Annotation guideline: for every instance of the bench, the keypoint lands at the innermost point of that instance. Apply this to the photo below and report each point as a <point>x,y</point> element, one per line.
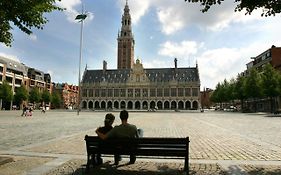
<point>145,146</point>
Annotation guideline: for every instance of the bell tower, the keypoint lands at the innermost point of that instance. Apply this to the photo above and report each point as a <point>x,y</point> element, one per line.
<point>126,42</point>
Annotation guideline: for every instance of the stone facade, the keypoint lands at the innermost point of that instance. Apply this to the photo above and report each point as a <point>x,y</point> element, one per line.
<point>133,87</point>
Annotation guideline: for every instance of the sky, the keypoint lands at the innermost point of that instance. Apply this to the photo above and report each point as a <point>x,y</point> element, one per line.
<point>220,41</point>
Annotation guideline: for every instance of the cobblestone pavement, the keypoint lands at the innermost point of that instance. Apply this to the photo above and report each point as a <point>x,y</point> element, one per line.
<point>220,142</point>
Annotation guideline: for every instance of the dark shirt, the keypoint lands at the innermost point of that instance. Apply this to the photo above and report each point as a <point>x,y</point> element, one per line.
<point>105,129</point>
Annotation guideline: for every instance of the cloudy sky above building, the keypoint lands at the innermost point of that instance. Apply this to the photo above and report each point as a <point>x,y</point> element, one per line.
<point>221,41</point>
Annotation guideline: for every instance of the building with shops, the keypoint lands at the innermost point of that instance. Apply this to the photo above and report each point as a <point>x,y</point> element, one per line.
<point>17,74</point>
<point>131,86</point>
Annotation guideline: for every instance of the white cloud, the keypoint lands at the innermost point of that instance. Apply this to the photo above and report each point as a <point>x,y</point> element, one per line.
<point>137,8</point>
<point>12,57</point>
<point>182,50</point>
<point>33,37</point>
<point>170,19</point>
<point>71,12</point>
<point>155,63</point>
<point>225,63</point>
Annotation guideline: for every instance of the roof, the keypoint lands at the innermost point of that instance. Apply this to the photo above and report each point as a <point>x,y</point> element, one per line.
<point>14,65</point>
<point>154,75</point>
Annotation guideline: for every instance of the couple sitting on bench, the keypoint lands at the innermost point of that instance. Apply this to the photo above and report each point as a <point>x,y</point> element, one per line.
<point>124,130</point>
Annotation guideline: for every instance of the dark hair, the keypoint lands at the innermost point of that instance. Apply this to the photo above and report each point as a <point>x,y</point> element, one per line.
<point>109,119</point>
<point>124,115</point>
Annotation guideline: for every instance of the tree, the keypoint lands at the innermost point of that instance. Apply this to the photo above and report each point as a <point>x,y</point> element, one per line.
<point>21,95</point>
<point>23,14</point>
<point>253,87</point>
<point>56,100</point>
<point>239,89</point>
<point>34,95</point>
<point>270,7</point>
<point>6,94</point>
<point>270,84</point>
<point>46,97</point>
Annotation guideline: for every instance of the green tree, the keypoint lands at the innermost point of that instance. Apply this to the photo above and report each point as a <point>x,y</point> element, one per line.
<point>270,85</point>
<point>45,97</point>
<point>34,96</point>
<point>56,100</point>
<point>21,95</point>
<point>269,7</point>
<point>6,94</point>
<point>253,88</point>
<point>23,14</point>
<point>239,89</point>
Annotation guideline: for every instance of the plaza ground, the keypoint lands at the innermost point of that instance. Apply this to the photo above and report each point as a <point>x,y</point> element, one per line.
<point>220,143</point>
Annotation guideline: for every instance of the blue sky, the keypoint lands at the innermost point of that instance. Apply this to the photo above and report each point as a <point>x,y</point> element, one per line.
<point>221,41</point>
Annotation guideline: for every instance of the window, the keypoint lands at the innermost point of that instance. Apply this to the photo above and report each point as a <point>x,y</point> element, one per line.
<point>103,93</point>
<point>130,92</point>
<point>152,92</point>
<point>187,92</point>
<point>91,93</point>
<point>84,93</point>
<point>159,92</point>
<point>194,92</point>
<point>137,92</point>
<point>180,92</point>
<point>173,92</point>
<point>116,92</point>
<point>97,93</point>
<point>122,92</point>
<point>109,92</point>
<point>144,92</point>
<point>166,92</point>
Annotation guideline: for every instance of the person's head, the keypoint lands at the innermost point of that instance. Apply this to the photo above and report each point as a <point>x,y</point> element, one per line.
<point>124,115</point>
<point>109,119</point>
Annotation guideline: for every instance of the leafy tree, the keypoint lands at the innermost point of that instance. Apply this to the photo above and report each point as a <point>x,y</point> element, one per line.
<point>34,95</point>
<point>253,87</point>
<point>21,95</point>
<point>45,97</point>
<point>6,94</point>
<point>270,7</point>
<point>56,100</point>
<point>239,89</point>
<point>23,14</point>
<point>270,84</point>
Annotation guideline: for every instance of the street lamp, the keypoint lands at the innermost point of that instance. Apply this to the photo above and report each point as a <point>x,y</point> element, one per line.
<point>81,18</point>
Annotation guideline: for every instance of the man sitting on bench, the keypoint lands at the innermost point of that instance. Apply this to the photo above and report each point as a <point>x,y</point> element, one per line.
<point>124,130</point>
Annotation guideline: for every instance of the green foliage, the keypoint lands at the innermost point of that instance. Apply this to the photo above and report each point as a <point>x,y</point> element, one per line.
<point>270,82</point>
<point>269,7</point>
<point>46,96</point>
<point>253,88</point>
<point>24,14</point>
<point>21,95</point>
<point>239,88</point>
<point>56,100</point>
<point>6,93</point>
<point>34,95</point>
<point>266,84</point>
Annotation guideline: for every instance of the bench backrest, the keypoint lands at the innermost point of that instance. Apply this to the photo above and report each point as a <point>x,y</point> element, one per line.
<point>149,146</point>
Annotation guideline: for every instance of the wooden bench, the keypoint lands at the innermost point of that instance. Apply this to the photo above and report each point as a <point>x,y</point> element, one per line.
<point>145,146</point>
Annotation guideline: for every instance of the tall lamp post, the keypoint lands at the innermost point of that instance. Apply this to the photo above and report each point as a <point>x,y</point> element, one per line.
<point>81,17</point>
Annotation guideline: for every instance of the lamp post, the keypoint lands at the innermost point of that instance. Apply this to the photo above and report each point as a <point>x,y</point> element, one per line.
<point>81,17</point>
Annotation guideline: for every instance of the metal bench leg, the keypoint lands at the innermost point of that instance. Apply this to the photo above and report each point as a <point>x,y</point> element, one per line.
<point>88,164</point>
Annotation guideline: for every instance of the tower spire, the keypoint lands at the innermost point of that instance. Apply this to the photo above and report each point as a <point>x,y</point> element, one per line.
<point>126,42</point>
